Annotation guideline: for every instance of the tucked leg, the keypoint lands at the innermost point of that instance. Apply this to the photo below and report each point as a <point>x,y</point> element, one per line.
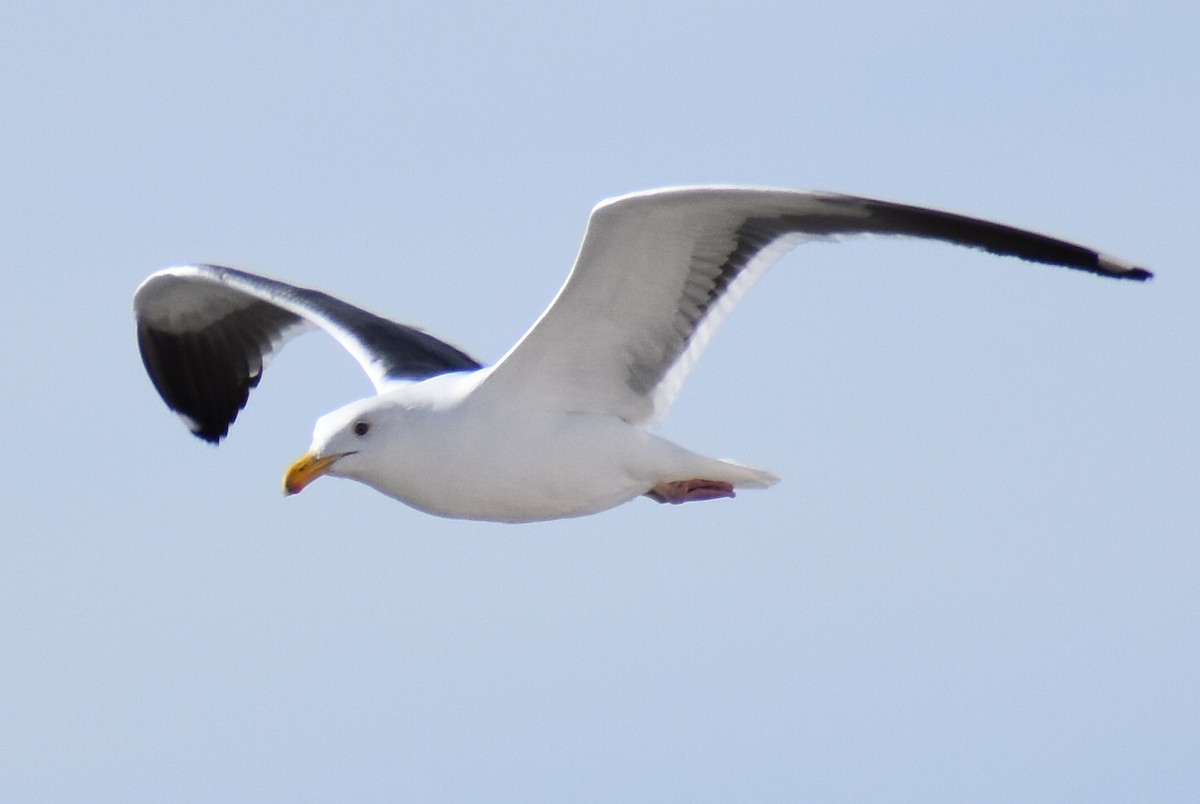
<point>681,491</point>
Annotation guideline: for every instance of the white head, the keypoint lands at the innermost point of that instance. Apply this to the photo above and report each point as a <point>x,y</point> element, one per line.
<point>384,441</point>
<point>348,442</point>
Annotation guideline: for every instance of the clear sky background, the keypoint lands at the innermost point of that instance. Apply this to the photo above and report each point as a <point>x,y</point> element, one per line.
<point>978,580</point>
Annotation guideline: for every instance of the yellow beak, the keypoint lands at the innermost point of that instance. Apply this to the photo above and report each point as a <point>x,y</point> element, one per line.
<point>305,471</point>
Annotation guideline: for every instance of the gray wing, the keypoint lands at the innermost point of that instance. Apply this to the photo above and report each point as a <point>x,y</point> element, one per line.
<point>659,271</point>
<point>206,332</point>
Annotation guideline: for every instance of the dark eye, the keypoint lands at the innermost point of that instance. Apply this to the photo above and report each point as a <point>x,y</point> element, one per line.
<point>361,428</point>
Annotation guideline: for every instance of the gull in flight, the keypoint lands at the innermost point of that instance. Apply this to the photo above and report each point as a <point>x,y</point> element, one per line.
<point>562,425</point>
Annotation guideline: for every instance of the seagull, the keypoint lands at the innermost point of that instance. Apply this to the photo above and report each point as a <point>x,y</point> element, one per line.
<point>562,425</point>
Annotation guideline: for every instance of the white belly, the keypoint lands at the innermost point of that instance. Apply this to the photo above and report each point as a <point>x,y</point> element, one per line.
<point>521,468</point>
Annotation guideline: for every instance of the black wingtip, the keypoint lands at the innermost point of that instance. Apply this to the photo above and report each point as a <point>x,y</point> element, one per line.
<point>198,379</point>
<point>210,436</point>
<point>1137,274</point>
<point>210,432</point>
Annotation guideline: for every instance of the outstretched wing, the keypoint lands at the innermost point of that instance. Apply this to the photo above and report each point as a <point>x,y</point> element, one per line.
<point>659,271</point>
<point>206,332</point>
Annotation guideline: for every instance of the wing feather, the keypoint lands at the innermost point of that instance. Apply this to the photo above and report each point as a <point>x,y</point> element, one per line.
<point>659,271</point>
<point>206,333</point>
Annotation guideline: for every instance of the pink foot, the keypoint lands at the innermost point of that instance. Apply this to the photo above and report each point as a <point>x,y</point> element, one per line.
<point>681,491</point>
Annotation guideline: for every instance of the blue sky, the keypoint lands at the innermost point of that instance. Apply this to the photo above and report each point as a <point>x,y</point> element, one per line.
<point>977,580</point>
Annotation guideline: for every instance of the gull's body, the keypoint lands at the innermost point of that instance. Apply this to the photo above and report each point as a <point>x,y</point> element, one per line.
<point>561,425</point>
<point>466,456</point>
